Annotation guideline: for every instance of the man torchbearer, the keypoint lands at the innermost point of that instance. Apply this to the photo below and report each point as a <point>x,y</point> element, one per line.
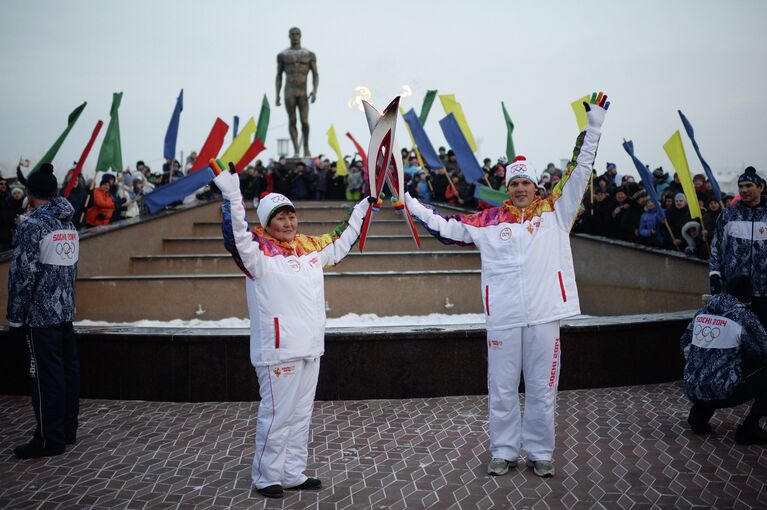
<point>296,62</point>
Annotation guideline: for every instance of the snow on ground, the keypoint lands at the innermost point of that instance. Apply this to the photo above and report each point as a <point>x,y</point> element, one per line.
<point>351,320</point>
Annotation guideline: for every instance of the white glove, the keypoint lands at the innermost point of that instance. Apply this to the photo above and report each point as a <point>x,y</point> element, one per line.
<point>596,110</point>
<point>228,183</point>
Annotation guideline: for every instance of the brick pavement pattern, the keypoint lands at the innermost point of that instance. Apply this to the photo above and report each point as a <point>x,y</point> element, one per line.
<point>625,447</point>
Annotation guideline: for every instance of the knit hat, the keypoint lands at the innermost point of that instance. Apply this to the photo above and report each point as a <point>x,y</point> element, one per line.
<point>520,169</point>
<point>106,178</point>
<point>639,194</point>
<point>270,204</point>
<point>610,166</point>
<point>658,173</point>
<point>42,184</point>
<point>750,175</point>
<point>680,196</point>
<point>741,288</point>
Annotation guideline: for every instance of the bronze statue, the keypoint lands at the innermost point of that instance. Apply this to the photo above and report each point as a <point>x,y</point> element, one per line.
<point>296,62</point>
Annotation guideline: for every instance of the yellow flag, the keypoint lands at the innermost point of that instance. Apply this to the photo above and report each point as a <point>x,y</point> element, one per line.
<point>240,144</point>
<point>675,151</point>
<point>580,112</point>
<point>452,106</point>
<point>333,142</point>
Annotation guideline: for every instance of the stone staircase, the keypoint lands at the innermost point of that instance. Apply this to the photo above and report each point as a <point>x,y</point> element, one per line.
<point>192,276</point>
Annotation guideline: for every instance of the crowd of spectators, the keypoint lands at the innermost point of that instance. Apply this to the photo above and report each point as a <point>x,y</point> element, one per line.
<point>614,206</point>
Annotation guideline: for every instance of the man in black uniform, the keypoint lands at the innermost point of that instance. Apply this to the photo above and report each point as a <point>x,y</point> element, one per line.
<point>41,303</point>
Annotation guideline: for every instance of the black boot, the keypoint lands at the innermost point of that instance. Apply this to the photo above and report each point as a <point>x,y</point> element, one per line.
<point>749,432</point>
<point>309,485</point>
<point>272,491</point>
<point>34,451</point>
<point>698,422</point>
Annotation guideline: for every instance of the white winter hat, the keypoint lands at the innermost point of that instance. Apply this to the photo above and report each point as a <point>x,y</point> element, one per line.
<point>269,205</point>
<point>520,168</point>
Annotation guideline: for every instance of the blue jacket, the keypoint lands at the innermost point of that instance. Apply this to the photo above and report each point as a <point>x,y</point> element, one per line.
<point>650,220</point>
<point>713,346</point>
<point>739,245</point>
<point>41,281</point>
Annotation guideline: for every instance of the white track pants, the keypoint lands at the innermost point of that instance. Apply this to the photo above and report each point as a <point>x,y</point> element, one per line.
<point>284,416</point>
<point>534,350</point>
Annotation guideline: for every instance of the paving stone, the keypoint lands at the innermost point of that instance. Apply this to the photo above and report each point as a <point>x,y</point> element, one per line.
<point>627,447</point>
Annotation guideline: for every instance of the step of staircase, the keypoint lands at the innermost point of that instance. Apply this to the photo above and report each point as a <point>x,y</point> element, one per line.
<point>215,244</point>
<point>167,297</point>
<point>319,227</point>
<point>354,262</point>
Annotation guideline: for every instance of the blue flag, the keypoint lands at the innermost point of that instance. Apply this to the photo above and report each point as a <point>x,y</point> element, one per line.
<point>430,158</point>
<point>706,168</point>
<point>644,173</point>
<point>463,153</point>
<point>235,126</point>
<point>172,133</point>
<point>178,189</point>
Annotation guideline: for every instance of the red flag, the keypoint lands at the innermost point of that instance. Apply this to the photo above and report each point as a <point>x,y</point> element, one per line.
<point>79,168</point>
<point>359,149</point>
<point>212,145</point>
<point>254,150</point>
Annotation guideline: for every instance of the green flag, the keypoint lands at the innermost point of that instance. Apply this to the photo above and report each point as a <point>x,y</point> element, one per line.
<point>428,99</point>
<point>48,157</point>
<point>509,129</point>
<point>110,156</point>
<point>263,120</point>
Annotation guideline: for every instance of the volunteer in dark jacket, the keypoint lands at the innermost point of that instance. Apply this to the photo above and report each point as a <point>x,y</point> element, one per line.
<point>739,245</point>
<point>41,303</point>
<point>725,348</point>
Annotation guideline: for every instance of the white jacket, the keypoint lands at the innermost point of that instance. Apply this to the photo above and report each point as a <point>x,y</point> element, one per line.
<point>527,265</point>
<point>285,286</point>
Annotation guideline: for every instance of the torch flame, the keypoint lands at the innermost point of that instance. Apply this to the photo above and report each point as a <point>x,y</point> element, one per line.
<point>406,91</point>
<point>363,94</point>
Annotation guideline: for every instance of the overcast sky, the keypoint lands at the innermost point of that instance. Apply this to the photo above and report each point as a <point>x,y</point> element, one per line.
<point>706,58</point>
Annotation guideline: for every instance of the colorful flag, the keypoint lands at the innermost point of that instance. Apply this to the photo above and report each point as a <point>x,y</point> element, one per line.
<point>489,195</point>
<point>263,120</point>
<point>428,100</point>
<point>644,173</point>
<point>240,144</point>
<point>178,189</point>
<point>48,156</point>
<point>254,150</point>
<point>467,162</point>
<point>452,106</point>
<point>79,168</point>
<point>580,112</point>
<point>212,145</point>
<point>706,168</point>
<point>431,159</point>
<point>333,142</point>
<point>110,155</point>
<point>171,135</point>
<point>510,153</point>
<point>359,148</point>
<point>412,140</point>
<point>675,152</point>
<point>235,126</point>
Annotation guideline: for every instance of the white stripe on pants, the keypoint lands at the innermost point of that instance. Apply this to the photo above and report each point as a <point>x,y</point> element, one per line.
<point>284,415</point>
<point>534,350</point>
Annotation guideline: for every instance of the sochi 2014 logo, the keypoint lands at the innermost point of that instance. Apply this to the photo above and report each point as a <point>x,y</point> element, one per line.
<point>505,234</point>
<point>706,333</point>
<point>65,250</point>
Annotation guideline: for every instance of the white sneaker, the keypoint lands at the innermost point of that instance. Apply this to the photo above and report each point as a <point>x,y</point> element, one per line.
<point>498,467</point>
<point>542,468</point>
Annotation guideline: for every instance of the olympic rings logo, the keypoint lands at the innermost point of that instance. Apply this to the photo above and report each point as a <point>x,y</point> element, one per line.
<point>65,250</point>
<point>706,333</point>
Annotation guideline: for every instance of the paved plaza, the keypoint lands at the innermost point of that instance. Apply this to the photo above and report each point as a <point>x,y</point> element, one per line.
<point>625,447</point>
